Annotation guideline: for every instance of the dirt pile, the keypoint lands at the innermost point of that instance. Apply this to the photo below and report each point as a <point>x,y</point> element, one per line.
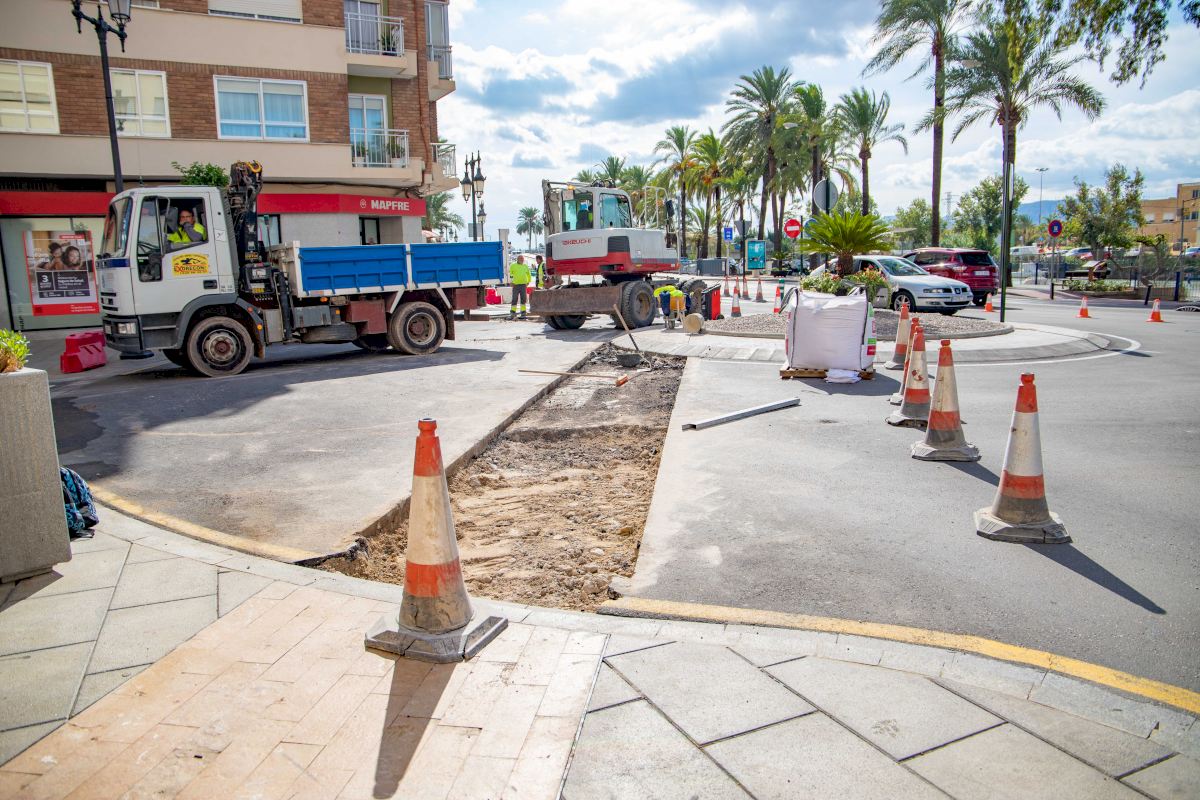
<point>553,509</point>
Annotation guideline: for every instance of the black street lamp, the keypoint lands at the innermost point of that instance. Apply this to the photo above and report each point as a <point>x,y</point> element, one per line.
<point>472,189</point>
<point>120,12</point>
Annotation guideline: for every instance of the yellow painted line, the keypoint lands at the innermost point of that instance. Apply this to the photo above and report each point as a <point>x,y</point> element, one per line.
<point>1105,676</point>
<point>274,552</point>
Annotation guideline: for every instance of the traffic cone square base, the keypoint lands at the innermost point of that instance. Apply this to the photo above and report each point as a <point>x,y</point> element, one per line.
<point>1052,531</point>
<point>900,421</point>
<point>927,452</point>
<point>439,648</point>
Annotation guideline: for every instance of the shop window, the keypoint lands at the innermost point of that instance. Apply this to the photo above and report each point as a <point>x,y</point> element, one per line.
<point>140,102</point>
<point>261,109</point>
<point>27,103</point>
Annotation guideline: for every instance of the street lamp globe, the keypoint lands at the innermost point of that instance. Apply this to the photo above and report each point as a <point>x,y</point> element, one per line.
<point>482,216</point>
<point>467,187</point>
<point>478,179</point>
<point>120,10</point>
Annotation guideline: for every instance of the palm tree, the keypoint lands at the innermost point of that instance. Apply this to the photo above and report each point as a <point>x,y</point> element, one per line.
<point>611,169</point>
<point>863,117</point>
<point>710,160</point>
<point>904,26</point>
<point>529,222</point>
<point>678,160</point>
<point>635,179</point>
<point>739,186</point>
<point>846,235</point>
<point>438,217</point>
<point>1016,65</point>
<point>585,176</point>
<point>757,103</point>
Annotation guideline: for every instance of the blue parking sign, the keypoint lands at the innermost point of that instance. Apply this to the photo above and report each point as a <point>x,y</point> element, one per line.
<point>728,234</point>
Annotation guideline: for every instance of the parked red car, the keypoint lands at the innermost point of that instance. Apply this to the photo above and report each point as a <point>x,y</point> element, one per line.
<point>975,268</point>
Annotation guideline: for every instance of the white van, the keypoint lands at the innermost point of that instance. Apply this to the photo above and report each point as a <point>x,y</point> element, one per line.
<point>1025,252</point>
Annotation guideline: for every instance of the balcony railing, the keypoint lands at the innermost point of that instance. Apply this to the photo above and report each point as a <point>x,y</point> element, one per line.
<point>374,34</point>
<point>441,54</point>
<point>379,147</point>
<point>443,154</point>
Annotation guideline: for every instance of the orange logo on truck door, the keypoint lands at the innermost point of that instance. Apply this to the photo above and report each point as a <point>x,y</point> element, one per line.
<point>189,264</point>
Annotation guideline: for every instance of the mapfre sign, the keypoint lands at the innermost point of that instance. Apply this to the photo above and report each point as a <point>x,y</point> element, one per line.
<point>361,204</point>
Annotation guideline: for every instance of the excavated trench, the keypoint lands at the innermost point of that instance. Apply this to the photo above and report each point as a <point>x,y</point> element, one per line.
<point>554,508</point>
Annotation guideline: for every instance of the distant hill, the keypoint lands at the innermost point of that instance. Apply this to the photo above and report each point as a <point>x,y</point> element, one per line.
<point>1031,210</point>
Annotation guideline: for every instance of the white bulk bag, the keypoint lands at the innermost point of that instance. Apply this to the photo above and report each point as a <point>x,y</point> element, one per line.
<point>825,332</point>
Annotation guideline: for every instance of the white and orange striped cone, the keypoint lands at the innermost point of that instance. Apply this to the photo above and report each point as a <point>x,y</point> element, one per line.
<point>898,397</point>
<point>914,410</point>
<point>745,287</point>
<point>944,439</point>
<point>987,306</point>
<point>1155,313</point>
<point>725,288</point>
<point>758,298</point>
<point>903,328</point>
<point>736,309</point>
<point>1019,512</point>
<point>778,298</point>
<point>1083,309</point>
<point>435,613</point>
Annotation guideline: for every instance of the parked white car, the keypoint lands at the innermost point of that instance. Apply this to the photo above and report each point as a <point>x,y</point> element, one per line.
<point>911,285</point>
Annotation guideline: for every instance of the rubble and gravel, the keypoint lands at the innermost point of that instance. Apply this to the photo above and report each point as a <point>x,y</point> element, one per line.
<point>553,509</point>
<point>937,326</point>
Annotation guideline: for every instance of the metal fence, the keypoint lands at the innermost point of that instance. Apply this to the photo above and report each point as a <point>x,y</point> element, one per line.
<point>441,54</point>
<point>379,147</point>
<point>374,34</point>
<point>444,155</point>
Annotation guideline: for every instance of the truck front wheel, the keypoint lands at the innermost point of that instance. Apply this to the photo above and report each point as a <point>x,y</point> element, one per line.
<point>416,328</point>
<point>218,346</point>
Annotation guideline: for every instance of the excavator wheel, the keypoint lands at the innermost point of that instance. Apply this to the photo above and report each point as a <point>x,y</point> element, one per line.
<point>570,322</point>
<point>638,304</point>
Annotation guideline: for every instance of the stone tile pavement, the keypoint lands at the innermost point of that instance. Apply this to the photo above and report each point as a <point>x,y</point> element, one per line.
<point>155,666</point>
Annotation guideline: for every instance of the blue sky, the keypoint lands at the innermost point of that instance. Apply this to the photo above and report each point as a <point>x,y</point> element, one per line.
<point>546,89</point>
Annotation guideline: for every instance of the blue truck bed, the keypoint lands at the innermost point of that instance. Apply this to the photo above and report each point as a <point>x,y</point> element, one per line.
<point>392,267</point>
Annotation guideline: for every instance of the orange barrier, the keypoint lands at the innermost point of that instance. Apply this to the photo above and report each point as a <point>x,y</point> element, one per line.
<point>1020,512</point>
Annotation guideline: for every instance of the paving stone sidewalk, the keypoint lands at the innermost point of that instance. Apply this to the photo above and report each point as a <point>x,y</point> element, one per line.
<point>252,681</point>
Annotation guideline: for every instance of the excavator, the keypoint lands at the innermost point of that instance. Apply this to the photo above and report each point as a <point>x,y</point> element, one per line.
<point>598,259</point>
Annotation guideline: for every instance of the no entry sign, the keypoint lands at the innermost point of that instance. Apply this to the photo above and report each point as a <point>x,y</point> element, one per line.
<point>1054,228</point>
<point>792,228</point>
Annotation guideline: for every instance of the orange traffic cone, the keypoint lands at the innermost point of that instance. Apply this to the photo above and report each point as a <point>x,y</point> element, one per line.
<point>944,440</point>
<point>1019,512</point>
<point>902,333</point>
<point>1083,311</point>
<point>745,286</point>
<point>914,410</point>
<point>898,397</point>
<point>736,309</point>
<point>758,298</point>
<point>1155,313</point>
<point>987,306</point>
<point>435,611</point>
<point>778,298</point>
<point>725,290</point>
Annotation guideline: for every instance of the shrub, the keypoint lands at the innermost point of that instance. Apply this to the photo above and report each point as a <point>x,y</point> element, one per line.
<point>1081,285</point>
<point>14,351</point>
<point>822,282</point>
<point>197,174</point>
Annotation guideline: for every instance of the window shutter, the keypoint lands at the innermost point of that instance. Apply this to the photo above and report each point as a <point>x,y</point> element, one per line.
<point>287,9</point>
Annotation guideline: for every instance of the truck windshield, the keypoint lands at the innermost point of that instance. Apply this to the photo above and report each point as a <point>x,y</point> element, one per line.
<point>116,228</point>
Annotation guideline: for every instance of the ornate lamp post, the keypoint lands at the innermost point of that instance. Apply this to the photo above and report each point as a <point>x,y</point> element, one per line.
<point>472,188</point>
<point>119,10</point>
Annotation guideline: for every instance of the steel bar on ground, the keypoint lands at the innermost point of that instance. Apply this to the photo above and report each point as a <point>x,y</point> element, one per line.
<point>736,415</point>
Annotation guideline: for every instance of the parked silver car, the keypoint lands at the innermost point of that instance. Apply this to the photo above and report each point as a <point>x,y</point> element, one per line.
<point>911,285</point>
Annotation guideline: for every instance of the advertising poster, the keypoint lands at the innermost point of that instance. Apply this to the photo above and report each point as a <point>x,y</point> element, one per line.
<point>62,273</point>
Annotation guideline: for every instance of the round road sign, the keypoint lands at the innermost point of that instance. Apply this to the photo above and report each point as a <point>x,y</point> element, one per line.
<point>1055,228</point>
<point>792,228</point>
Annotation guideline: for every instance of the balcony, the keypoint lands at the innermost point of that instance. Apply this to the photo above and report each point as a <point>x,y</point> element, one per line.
<point>444,157</point>
<point>441,175</point>
<point>375,47</point>
<point>441,72</point>
<point>379,147</point>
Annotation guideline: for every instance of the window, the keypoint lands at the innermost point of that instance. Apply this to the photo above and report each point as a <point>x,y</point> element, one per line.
<point>27,97</point>
<point>437,25</point>
<point>614,212</point>
<point>140,102</point>
<point>1150,218</point>
<point>149,243</point>
<point>272,10</point>
<point>258,109</point>
<point>268,229</point>
<point>577,212</point>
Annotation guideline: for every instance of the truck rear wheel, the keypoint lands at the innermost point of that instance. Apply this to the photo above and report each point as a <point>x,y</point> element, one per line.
<point>218,346</point>
<point>416,328</point>
<point>638,304</point>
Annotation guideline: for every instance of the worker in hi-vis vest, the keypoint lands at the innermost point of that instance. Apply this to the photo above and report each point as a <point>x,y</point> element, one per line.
<point>188,231</point>
<point>519,275</point>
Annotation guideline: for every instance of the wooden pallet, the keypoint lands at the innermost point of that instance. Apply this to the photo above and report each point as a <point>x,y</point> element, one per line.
<point>815,372</point>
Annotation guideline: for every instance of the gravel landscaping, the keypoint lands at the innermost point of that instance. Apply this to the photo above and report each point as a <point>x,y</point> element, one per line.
<point>937,326</point>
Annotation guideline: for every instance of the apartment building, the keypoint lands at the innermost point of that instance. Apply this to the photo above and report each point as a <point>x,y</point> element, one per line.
<point>337,99</point>
<point>1176,218</point>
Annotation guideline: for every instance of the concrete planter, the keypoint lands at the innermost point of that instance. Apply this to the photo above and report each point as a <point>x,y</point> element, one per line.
<point>33,526</point>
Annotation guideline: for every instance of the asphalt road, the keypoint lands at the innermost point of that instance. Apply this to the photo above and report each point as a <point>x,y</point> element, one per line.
<point>310,447</point>
<point>821,510</point>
